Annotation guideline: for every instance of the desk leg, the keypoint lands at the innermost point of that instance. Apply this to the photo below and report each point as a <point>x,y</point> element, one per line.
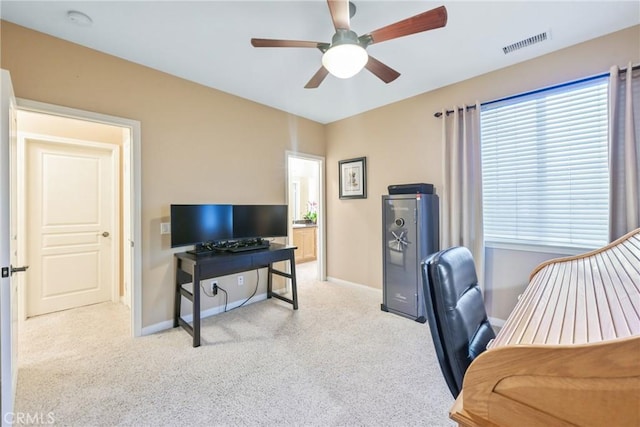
<point>196,307</point>
<point>178,297</point>
<point>294,284</point>
<point>269,281</point>
<point>291,276</point>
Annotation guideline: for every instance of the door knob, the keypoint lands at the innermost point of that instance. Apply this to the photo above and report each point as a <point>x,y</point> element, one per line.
<point>8,271</point>
<point>105,234</point>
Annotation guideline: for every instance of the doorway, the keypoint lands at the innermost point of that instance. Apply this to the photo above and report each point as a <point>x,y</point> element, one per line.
<point>305,198</point>
<point>53,127</point>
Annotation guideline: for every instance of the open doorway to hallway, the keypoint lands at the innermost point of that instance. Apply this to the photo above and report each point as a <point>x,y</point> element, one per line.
<point>69,212</point>
<point>305,197</point>
<point>60,149</point>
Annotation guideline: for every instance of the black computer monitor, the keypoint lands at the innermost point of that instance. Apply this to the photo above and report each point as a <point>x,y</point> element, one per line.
<point>250,221</point>
<point>194,224</point>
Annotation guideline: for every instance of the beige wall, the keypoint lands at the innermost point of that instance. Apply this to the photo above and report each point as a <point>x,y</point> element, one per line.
<point>402,143</point>
<point>198,144</point>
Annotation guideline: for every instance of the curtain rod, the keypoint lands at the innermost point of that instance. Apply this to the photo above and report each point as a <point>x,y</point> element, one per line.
<point>447,112</point>
<point>471,107</point>
<point>633,68</point>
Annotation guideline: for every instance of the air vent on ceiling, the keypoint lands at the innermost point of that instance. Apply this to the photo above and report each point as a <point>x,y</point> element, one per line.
<point>526,42</point>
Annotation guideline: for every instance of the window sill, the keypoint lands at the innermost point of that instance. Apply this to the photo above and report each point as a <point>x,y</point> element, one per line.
<point>557,250</point>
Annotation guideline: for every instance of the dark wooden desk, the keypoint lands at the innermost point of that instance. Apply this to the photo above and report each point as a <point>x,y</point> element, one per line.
<point>192,269</point>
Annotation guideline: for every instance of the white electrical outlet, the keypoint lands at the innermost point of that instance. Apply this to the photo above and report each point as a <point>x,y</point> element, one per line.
<point>240,280</point>
<point>213,287</point>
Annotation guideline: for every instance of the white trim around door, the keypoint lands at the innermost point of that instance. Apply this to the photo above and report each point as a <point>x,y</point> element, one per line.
<point>132,207</point>
<point>321,222</point>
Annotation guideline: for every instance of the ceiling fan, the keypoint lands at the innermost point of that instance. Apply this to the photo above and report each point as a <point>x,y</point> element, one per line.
<point>346,55</point>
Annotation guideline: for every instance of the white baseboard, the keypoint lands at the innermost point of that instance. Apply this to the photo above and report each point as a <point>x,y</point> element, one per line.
<point>347,283</point>
<point>157,327</point>
<point>497,322</point>
<point>168,324</point>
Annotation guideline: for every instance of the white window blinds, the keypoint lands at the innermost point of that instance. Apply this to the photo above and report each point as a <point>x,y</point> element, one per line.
<point>545,168</point>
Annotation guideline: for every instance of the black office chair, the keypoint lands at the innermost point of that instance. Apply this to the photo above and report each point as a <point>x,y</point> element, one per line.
<point>455,311</point>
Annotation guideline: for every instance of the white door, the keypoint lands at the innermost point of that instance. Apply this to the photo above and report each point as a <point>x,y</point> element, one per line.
<point>8,287</point>
<point>71,196</point>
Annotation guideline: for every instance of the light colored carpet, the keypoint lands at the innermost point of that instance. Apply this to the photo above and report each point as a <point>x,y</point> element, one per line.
<point>337,361</point>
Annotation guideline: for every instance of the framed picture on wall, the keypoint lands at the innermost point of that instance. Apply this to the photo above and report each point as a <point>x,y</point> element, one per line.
<point>353,178</point>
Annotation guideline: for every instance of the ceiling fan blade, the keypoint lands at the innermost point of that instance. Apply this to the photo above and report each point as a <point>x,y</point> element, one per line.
<point>382,71</point>
<point>339,13</point>
<point>434,18</point>
<point>317,78</point>
<point>286,43</point>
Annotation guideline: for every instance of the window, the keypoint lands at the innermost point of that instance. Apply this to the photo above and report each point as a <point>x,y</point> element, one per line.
<point>545,167</point>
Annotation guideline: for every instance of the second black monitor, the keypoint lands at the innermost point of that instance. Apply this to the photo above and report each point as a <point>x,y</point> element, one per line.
<point>251,221</point>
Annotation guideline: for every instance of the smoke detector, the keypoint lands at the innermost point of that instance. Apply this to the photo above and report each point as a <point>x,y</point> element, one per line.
<point>79,18</point>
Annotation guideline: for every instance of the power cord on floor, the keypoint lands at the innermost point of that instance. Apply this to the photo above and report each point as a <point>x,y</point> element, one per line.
<point>226,298</point>
<point>254,291</point>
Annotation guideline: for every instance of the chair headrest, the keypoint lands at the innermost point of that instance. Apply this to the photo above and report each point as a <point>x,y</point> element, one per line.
<point>456,268</point>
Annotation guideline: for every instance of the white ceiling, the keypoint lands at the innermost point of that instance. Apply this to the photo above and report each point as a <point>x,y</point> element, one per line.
<point>208,42</point>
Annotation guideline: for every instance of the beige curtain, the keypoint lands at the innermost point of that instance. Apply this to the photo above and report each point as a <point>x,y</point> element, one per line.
<point>461,223</point>
<point>624,151</point>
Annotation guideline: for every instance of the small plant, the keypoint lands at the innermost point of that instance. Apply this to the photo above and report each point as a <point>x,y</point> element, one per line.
<point>312,212</point>
<point>311,216</point>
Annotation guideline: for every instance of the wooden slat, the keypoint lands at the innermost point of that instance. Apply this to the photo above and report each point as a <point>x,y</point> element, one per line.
<point>581,320</point>
<point>570,322</point>
<point>611,282</point>
<point>629,290</point>
<point>558,310</point>
<point>594,331</point>
<point>607,329</point>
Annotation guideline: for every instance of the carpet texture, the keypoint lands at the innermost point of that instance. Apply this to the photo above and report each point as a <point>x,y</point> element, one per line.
<point>337,361</point>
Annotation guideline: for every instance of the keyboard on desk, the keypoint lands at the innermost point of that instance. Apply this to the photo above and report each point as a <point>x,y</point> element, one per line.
<point>248,248</point>
<point>229,246</point>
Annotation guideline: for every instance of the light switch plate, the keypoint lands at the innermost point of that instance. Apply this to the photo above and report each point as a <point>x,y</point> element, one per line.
<point>165,228</point>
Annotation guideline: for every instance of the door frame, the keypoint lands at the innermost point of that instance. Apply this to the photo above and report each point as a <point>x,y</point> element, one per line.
<point>131,209</point>
<point>9,323</point>
<point>26,138</point>
<point>321,222</point>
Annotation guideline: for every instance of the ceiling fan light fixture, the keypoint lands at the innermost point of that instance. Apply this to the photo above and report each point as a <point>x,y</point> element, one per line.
<point>345,60</point>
